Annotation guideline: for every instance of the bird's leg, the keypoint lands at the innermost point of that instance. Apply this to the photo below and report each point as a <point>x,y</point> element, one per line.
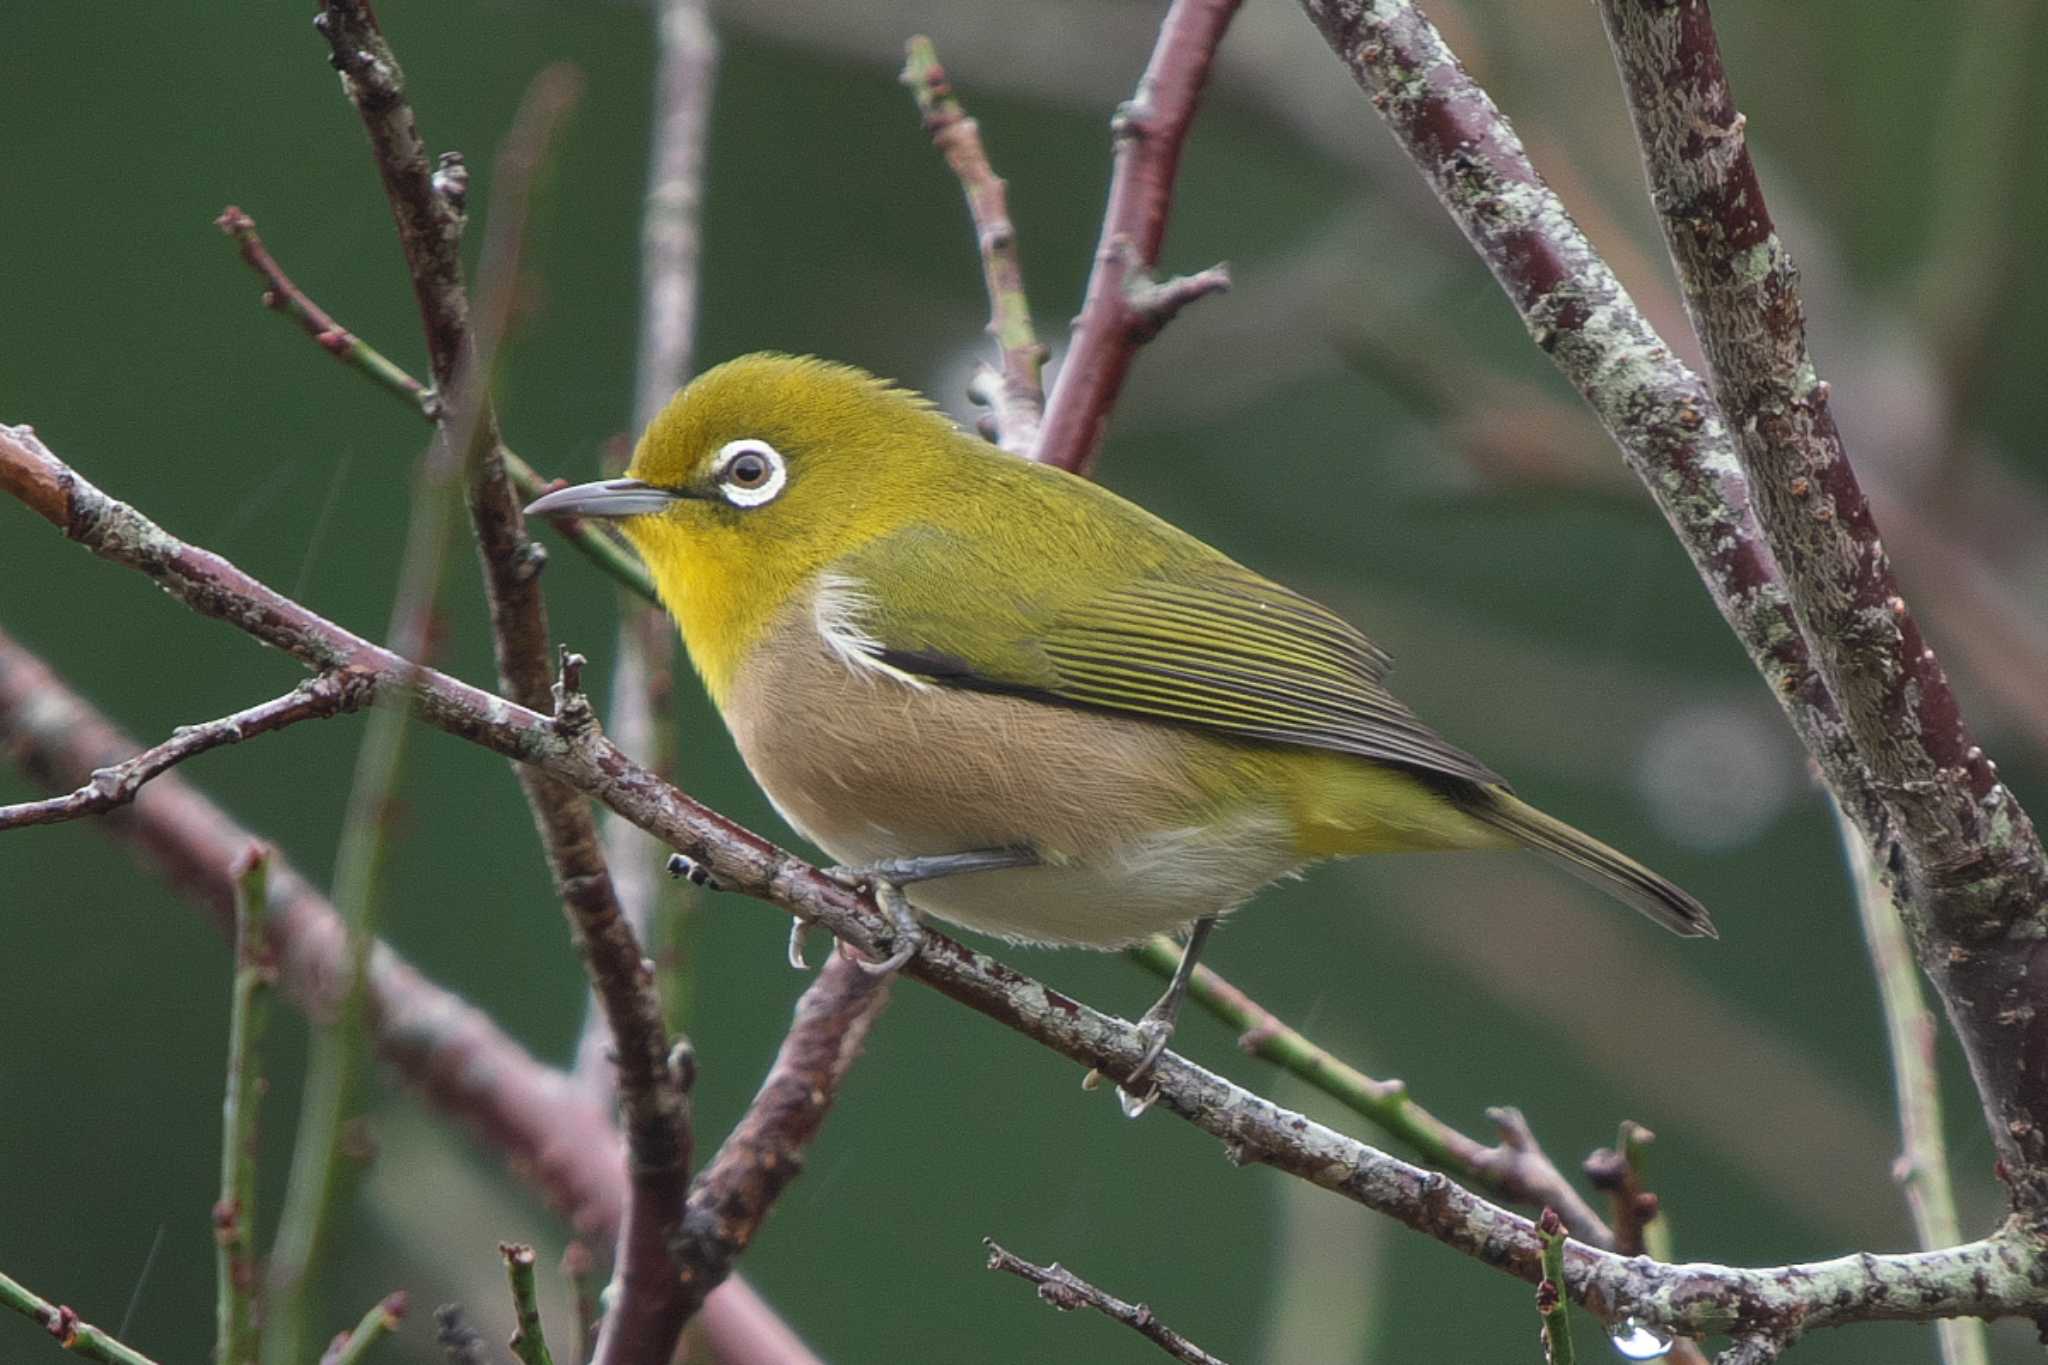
<point>1156,1025</point>
<point>889,876</point>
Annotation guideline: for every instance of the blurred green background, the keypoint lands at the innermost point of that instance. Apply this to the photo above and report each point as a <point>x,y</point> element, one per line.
<point>1361,417</point>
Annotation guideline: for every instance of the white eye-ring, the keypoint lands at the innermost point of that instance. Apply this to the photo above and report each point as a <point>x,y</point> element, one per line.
<point>749,472</point>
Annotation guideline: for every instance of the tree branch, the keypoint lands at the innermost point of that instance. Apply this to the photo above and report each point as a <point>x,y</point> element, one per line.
<point>353,1346</point>
<point>429,227</point>
<point>544,1128</point>
<point>317,698</point>
<point>1969,870</point>
<point>1015,392</point>
<point>1515,1169</point>
<point>1066,1291</point>
<point>71,1332</point>
<point>1124,305</point>
<point>1999,1275</point>
<point>1910,1029</point>
<point>237,1273</point>
<point>764,1151</point>
<point>1659,413</point>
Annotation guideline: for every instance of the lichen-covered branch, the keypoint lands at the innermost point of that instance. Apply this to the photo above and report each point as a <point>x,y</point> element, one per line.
<point>1125,303</point>
<point>1015,392</point>
<point>2004,1274</point>
<point>1515,1169</point>
<point>1066,1291</point>
<point>1659,413</point>
<point>1968,869</point>
<point>316,698</point>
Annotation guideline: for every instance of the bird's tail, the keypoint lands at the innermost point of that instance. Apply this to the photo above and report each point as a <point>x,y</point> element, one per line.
<point>1586,858</point>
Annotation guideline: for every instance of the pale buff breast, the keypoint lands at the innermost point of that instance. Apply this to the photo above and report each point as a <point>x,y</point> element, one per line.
<point>871,766</point>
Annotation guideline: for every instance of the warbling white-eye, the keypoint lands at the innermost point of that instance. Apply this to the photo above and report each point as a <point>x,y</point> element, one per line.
<point>1064,720</point>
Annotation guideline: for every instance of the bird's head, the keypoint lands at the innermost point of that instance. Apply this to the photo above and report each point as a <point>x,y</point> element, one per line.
<point>757,475</point>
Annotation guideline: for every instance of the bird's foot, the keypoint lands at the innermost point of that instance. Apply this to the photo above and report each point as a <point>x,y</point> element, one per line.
<point>907,936</point>
<point>1133,1095</point>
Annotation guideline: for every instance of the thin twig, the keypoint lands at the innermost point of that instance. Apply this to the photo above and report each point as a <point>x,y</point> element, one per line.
<point>1015,392</point>
<point>548,1133</point>
<point>1551,1304</point>
<point>236,1273</point>
<point>71,1332</point>
<point>670,235</point>
<point>1617,1171</point>
<point>1922,1170</point>
<point>1995,1276</point>
<point>593,541</point>
<point>1125,304</point>
<point>283,297</point>
<point>528,1342</point>
<point>353,1346</point>
<point>579,1268</point>
<point>1066,1291</point>
<point>1516,1169</point>
<point>318,697</point>
<point>429,229</point>
<point>1969,870</point>
<point>764,1152</point>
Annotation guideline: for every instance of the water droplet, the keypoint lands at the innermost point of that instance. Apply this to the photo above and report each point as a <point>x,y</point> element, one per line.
<point>1639,1341</point>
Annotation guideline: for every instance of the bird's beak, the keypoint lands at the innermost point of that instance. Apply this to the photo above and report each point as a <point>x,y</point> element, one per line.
<point>607,498</point>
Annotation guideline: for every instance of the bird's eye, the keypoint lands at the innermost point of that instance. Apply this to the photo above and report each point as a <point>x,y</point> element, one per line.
<point>750,472</point>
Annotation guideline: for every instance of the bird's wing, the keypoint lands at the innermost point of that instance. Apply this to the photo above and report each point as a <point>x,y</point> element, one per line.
<point>1189,639</point>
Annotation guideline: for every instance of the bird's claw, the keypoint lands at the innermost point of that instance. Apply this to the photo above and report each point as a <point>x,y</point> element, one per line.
<point>907,934</point>
<point>1133,1096</point>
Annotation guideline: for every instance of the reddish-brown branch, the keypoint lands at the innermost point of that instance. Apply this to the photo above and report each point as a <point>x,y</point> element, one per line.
<point>319,697</point>
<point>282,296</point>
<point>1969,870</point>
<point>1015,392</point>
<point>545,1129</point>
<point>765,1150</point>
<point>1124,304</point>
<point>429,218</point>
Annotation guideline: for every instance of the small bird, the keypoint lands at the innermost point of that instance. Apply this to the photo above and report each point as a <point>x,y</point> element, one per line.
<point>1059,718</point>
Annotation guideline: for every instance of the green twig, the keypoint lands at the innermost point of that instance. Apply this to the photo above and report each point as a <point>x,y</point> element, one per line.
<point>1550,1299</point>
<point>349,1348</point>
<point>70,1331</point>
<point>1514,1169</point>
<point>600,547</point>
<point>528,1342</point>
<point>1910,1028</point>
<point>1015,391</point>
<point>327,1152</point>
<point>234,1217</point>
